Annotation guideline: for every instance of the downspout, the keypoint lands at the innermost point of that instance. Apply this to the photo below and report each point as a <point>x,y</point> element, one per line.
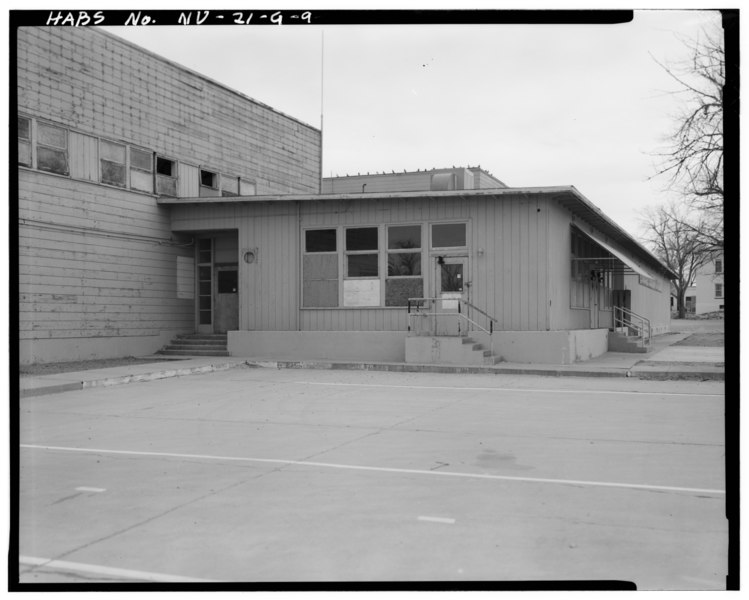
<point>299,256</point>
<point>549,295</point>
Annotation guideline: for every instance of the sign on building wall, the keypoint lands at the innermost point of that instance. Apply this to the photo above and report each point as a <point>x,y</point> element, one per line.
<point>185,277</point>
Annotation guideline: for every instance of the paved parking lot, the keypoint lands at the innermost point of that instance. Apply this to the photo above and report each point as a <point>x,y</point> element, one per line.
<point>264,475</point>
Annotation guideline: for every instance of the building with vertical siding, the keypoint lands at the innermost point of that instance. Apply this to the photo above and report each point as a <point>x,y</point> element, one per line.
<point>155,202</point>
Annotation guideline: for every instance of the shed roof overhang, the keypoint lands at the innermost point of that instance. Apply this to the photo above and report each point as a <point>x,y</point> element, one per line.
<point>616,261</point>
<point>567,196</point>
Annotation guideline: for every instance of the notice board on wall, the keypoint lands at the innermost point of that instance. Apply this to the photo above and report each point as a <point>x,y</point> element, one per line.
<point>361,292</point>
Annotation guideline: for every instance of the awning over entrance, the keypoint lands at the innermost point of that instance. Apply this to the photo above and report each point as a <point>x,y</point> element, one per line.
<point>628,263</point>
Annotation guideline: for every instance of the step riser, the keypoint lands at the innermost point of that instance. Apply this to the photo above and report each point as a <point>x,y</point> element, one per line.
<point>193,353</point>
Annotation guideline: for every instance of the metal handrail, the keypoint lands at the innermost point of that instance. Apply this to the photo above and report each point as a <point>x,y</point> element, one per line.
<point>418,303</point>
<point>623,317</point>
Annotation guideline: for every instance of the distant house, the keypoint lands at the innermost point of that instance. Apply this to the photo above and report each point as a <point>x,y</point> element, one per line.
<point>707,293</point>
<point>155,202</point>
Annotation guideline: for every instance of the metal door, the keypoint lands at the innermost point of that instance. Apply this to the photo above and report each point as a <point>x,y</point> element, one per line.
<point>226,312</point>
<point>450,288</point>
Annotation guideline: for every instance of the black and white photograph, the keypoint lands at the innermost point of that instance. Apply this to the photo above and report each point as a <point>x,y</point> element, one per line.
<point>397,299</point>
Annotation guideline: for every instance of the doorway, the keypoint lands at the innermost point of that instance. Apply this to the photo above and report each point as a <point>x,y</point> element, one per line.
<point>451,288</point>
<point>217,279</point>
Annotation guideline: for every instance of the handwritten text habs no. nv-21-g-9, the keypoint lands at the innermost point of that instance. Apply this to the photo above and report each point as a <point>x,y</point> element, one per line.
<point>83,18</point>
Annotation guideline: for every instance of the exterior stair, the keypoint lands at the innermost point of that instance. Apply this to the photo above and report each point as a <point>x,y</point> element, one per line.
<point>478,353</point>
<point>620,341</point>
<point>196,344</point>
<point>452,350</point>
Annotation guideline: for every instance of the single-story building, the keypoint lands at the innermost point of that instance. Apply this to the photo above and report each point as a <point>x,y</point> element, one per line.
<point>533,274</point>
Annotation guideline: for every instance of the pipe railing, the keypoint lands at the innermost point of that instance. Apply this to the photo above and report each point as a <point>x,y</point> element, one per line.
<point>417,307</point>
<point>625,318</point>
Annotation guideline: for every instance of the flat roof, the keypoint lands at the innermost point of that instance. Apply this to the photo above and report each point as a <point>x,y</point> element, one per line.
<point>568,196</point>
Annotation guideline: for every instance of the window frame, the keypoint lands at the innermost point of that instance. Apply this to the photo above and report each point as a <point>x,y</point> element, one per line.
<point>329,253</point>
<point>102,160</point>
<point>719,290</point>
<point>391,251</point>
<point>27,141</point>
<point>38,144</point>
<point>718,266</point>
<point>132,167</point>
<point>367,252</point>
<point>158,177</point>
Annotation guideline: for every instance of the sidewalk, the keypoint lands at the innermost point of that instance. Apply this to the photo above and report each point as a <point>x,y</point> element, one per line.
<point>664,361</point>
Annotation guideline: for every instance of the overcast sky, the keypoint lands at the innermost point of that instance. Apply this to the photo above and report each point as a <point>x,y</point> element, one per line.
<point>540,105</point>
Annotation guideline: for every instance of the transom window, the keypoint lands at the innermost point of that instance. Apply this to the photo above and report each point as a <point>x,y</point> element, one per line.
<point>320,240</point>
<point>448,235</point>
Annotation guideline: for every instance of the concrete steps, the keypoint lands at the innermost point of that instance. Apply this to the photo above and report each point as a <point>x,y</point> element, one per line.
<point>619,341</point>
<point>448,350</point>
<point>196,344</point>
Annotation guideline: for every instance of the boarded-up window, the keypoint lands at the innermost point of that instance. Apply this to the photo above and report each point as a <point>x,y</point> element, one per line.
<point>361,292</point>
<point>166,177</point>
<point>185,277</point>
<point>398,291</point>
<point>113,163</point>
<point>24,141</point>
<point>141,170</point>
<point>247,188</point>
<point>52,149</point>
<point>320,285</point>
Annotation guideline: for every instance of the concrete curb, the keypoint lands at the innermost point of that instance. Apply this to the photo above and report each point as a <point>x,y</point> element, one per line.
<point>641,373</point>
<point>124,379</point>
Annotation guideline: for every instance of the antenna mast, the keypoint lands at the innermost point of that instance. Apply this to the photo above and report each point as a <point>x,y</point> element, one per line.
<point>322,97</point>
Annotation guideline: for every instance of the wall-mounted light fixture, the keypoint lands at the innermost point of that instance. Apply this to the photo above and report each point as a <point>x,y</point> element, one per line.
<point>250,256</point>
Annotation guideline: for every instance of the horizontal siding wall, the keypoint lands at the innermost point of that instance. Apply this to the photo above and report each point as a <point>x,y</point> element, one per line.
<point>94,82</point>
<point>91,269</point>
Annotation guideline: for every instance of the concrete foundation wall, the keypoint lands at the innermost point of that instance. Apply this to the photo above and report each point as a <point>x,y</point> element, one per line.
<point>88,348</point>
<point>382,346</point>
<point>542,347</point>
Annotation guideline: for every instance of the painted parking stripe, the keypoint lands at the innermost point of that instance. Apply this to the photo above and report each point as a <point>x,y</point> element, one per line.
<point>438,520</point>
<point>107,571</point>
<point>304,463</point>
<point>496,389</point>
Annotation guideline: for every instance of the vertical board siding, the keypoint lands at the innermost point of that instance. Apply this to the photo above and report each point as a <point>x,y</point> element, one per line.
<point>188,181</point>
<point>509,281</point>
<point>84,156</point>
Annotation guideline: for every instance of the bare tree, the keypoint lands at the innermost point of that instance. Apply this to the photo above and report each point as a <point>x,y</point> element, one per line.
<point>678,240</point>
<point>694,158</point>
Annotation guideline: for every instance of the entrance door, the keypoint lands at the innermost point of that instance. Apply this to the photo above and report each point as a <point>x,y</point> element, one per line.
<point>450,288</point>
<point>226,313</point>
